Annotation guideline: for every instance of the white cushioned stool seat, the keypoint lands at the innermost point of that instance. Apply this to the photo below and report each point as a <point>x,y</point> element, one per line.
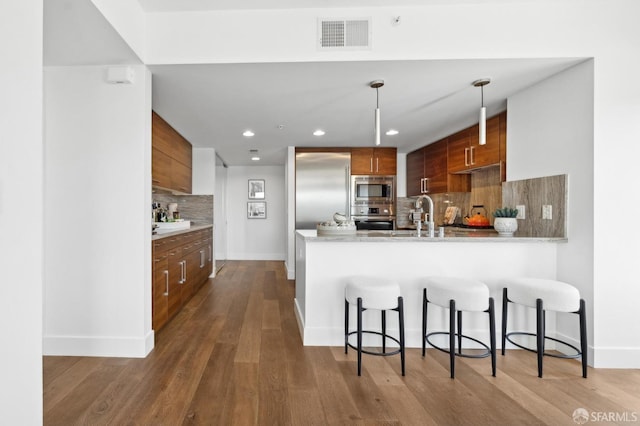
<point>470,295</point>
<point>376,293</point>
<point>557,296</point>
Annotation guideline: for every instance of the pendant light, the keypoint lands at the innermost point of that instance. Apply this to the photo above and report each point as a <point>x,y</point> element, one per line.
<point>482,123</point>
<point>376,84</point>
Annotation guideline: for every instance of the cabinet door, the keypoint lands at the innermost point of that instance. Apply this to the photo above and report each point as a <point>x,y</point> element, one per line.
<point>159,307</point>
<point>385,161</point>
<point>488,154</point>
<point>174,298</point>
<point>160,168</point>
<point>361,161</point>
<point>415,172</point>
<point>459,152</point>
<point>435,167</point>
<point>180,177</point>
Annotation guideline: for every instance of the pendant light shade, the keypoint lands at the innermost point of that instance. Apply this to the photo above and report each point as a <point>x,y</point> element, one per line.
<point>482,122</point>
<point>376,84</point>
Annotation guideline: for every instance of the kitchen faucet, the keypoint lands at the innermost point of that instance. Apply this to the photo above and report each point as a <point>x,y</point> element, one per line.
<point>430,224</point>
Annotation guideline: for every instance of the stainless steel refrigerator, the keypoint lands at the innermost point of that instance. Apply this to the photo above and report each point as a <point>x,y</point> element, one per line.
<point>322,187</point>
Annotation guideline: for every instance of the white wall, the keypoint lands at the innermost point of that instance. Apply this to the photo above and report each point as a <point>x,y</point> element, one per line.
<point>21,212</point>
<point>256,239</point>
<point>97,213</point>
<point>220,212</point>
<point>550,132</point>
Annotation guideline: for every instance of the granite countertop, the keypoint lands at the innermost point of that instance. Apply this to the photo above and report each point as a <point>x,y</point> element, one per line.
<point>181,231</point>
<point>451,235</point>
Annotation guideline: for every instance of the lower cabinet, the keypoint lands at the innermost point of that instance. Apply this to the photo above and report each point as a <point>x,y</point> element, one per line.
<point>181,265</point>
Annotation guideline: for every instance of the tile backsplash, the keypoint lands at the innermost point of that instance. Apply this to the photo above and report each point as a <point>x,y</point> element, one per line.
<point>489,192</point>
<point>533,194</point>
<point>196,208</point>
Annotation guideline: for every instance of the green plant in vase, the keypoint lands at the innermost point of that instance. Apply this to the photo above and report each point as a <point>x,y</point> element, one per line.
<point>505,221</point>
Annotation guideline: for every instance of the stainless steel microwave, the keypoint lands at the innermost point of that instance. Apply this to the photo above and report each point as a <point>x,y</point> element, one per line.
<point>372,189</point>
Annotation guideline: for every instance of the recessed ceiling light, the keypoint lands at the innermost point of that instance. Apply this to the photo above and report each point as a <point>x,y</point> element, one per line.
<point>248,133</point>
<point>318,133</point>
<point>254,155</point>
<point>392,132</point>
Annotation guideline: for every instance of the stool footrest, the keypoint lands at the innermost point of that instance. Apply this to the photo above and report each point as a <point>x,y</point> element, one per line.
<point>364,351</point>
<point>578,354</point>
<point>447,350</point>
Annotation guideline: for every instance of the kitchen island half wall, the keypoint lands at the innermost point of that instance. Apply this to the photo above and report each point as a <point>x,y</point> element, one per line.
<point>324,263</point>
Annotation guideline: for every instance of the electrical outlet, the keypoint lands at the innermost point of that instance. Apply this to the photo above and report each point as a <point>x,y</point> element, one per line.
<point>547,212</point>
<point>521,214</point>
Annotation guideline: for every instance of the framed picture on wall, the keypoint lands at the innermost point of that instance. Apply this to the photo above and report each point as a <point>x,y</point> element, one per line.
<point>257,210</point>
<point>256,189</point>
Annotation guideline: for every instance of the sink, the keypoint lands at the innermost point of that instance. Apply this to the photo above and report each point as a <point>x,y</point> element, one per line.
<point>163,227</point>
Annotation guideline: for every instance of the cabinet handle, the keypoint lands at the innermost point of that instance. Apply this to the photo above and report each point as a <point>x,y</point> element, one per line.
<point>371,164</point>
<point>155,181</point>
<point>201,259</point>
<point>377,164</point>
<point>466,157</point>
<point>166,283</point>
<point>210,253</point>
<point>185,271</point>
<point>473,160</point>
<point>426,185</point>
<point>181,272</point>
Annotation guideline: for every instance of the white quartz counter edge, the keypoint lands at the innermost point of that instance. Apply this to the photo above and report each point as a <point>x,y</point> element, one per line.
<point>312,235</point>
<point>181,231</point>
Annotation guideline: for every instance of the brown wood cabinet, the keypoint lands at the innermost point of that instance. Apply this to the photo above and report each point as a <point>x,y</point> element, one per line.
<point>466,154</point>
<point>373,161</point>
<point>182,263</point>
<point>171,158</point>
<point>427,172</point>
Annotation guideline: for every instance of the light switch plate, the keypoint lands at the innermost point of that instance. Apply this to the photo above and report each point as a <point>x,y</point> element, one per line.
<point>547,211</point>
<point>521,211</point>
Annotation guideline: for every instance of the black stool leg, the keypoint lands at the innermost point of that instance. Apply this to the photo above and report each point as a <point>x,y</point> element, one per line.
<point>583,337</point>
<point>505,301</point>
<point>492,335</point>
<point>346,326</point>
<point>452,335</point>
<point>384,331</point>
<point>401,323</point>
<point>539,334</point>
<point>424,320</point>
<point>459,332</point>
<point>359,336</point>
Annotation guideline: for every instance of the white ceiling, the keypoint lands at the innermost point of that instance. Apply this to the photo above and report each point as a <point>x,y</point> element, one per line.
<point>211,105</point>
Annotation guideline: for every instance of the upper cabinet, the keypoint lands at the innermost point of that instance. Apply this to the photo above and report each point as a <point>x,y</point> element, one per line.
<point>373,161</point>
<point>170,157</point>
<point>465,153</point>
<point>427,172</point>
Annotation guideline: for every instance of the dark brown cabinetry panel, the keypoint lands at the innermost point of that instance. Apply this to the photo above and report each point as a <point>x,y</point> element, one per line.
<point>373,161</point>
<point>171,159</point>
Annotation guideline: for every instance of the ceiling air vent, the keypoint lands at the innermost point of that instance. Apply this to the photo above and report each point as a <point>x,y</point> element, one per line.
<point>344,33</point>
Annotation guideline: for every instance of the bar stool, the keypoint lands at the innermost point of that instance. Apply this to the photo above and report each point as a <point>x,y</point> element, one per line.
<point>373,293</point>
<point>545,295</point>
<point>458,295</point>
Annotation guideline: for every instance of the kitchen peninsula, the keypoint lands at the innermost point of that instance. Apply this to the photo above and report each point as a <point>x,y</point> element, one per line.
<point>323,263</point>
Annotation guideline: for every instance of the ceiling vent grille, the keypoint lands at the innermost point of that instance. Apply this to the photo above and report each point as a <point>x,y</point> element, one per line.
<point>343,33</point>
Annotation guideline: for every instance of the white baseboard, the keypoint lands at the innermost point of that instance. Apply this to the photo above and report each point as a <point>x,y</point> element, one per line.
<point>103,346</point>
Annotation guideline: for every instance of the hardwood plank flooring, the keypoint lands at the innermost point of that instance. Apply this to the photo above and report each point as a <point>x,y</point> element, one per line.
<point>233,356</point>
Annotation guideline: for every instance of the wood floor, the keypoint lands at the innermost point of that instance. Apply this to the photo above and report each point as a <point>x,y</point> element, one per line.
<point>233,356</point>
